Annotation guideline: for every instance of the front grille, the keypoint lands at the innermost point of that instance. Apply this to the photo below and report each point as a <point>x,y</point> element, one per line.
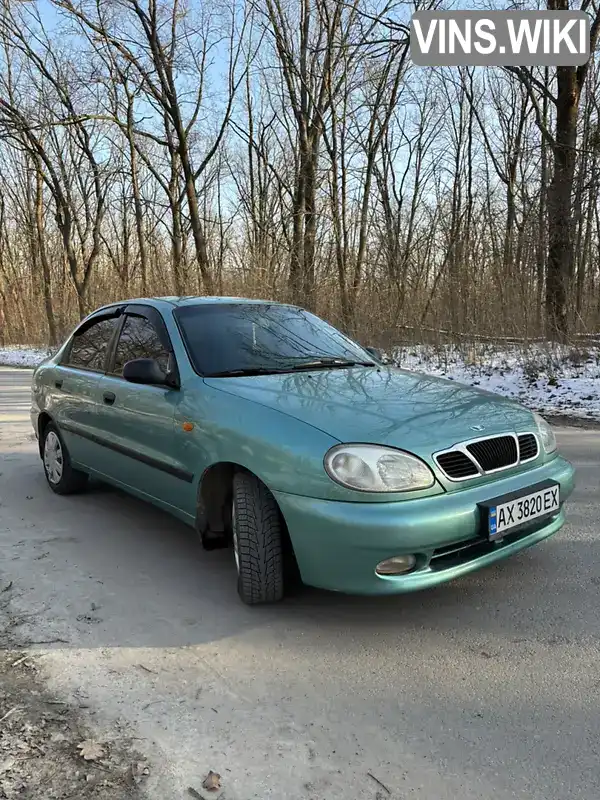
<point>528,446</point>
<point>457,465</point>
<point>495,453</point>
<point>470,459</point>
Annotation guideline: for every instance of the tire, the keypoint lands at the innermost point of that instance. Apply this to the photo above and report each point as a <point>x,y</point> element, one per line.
<point>257,541</point>
<point>61,476</point>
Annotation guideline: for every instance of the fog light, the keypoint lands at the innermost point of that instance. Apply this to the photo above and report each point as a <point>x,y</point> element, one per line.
<point>396,565</point>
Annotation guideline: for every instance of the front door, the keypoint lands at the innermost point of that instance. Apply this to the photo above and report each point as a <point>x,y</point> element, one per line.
<point>143,444</point>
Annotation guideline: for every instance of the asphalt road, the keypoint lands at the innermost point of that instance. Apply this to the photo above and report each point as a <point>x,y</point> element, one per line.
<point>485,688</point>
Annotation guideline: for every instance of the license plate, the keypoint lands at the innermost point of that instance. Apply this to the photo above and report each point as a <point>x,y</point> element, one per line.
<point>513,511</point>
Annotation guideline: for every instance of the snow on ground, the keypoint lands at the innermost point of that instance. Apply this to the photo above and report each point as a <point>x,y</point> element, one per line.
<point>552,379</point>
<point>549,378</point>
<point>21,356</point>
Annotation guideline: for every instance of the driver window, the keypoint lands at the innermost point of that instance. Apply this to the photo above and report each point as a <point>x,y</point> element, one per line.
<point>139,339</point>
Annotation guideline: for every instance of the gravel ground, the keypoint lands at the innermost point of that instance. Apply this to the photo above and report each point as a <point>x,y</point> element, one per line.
<point>484,688</point>
<point>51,748</point>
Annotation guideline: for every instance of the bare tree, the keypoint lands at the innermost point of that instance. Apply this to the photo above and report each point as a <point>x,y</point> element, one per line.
<point>290,150</point>
<point>153,40</point>
<point>569,83</point>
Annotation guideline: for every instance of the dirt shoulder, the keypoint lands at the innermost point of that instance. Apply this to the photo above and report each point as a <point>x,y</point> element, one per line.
<point>40,735</point>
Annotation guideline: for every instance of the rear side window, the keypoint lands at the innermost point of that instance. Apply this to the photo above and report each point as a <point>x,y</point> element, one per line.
<point>88,349</point>
<point>139,339</point>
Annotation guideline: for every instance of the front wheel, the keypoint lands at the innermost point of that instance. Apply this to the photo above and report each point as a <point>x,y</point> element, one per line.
<point>61,476</point>
<point>257,541</point>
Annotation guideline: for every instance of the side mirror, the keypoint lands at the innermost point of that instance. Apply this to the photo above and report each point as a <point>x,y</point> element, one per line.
<point>144,370</point>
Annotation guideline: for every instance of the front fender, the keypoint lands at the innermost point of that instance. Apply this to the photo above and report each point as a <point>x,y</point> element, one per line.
<point>285,453</point>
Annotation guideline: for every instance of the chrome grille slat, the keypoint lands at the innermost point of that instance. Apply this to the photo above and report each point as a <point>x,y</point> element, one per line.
<point>496,453</point>
<point>528,447</point>
<point>458,464</point>
<point>487,454</point>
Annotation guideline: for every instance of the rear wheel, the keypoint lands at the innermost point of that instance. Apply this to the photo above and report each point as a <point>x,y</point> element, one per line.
<point>61,476</point>
<point>257,541</point>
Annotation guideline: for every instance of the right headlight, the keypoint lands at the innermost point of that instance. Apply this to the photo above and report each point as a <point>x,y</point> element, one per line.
<point>546,434</point>
<point>373,468</point>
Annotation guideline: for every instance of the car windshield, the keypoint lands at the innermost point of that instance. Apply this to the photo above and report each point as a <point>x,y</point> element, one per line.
<point>259,338</point>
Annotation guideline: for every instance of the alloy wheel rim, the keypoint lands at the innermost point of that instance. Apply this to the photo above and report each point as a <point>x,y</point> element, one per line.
<point>53,458</point>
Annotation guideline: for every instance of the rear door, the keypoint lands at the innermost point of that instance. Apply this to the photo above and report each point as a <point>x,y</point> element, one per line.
<point>143,444</point>
<point>73,390</point>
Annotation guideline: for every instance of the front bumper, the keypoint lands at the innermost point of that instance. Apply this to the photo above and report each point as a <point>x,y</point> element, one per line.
<point>338,545</point>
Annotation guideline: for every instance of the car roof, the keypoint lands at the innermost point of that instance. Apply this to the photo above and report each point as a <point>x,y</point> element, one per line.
<point>197,300</point>
<point>171,301</point>
<point>189,300</point>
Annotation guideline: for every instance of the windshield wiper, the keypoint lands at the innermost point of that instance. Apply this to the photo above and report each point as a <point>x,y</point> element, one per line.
<point>316,363</point>
<point>232,373</point>
<point>331,363</point>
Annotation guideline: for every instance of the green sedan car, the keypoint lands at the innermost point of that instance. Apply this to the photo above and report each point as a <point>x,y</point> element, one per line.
<point>268,430</point>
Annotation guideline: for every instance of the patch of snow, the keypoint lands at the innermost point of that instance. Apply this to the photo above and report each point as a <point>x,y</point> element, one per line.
<point>551,379</point>
<point>21,356</point>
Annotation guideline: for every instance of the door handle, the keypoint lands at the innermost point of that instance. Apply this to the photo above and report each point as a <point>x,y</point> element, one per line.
<point>58,384</point>
<point>109,398</point>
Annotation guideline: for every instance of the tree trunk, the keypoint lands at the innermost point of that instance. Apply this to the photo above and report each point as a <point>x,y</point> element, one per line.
<point>542,222</point>
<point>560,229</point>
<point>137,201</point>
<point>192,200</point>
<point>310,232</point>
<point>43,255</point>
<point>299,212</point>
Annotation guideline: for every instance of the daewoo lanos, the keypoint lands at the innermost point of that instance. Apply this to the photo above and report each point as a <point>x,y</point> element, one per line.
<point>267,429</point>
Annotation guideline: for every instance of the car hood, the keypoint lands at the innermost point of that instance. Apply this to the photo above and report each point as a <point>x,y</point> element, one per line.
<point>383,405</point>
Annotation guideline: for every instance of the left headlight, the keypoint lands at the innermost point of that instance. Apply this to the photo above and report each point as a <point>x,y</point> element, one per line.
<point>371,468</point>
<point>546,434</point>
